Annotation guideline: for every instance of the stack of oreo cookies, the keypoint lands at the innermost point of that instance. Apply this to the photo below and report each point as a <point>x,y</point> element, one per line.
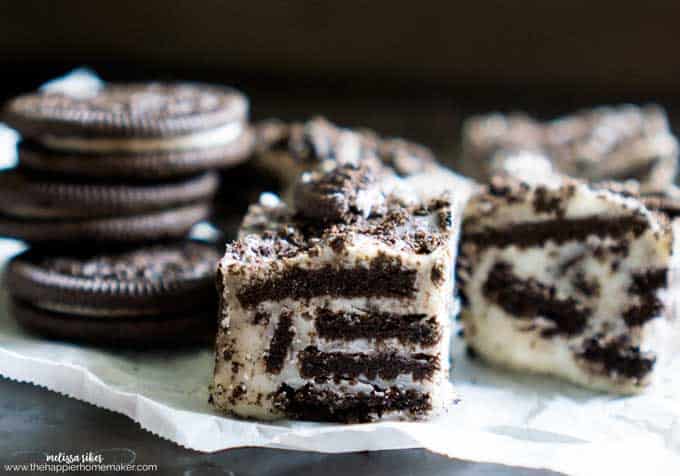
<point>109,184</point>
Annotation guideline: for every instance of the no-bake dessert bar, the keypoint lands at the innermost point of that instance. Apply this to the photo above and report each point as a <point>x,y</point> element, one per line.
<point>285,150</point>
<point>605,143</point>
<point>339,308</point>
<point>564,279</point>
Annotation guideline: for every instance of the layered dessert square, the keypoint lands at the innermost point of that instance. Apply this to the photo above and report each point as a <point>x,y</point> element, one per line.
<point>338,309</point>
<point>605,143</point>
<point>564,279</point>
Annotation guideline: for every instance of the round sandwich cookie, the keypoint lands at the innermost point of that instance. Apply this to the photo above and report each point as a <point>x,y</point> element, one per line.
<point>173,223</point>
<point>150,293</point>
<point>170,128</point>
<point>37,196</point>
<point>147,166</point>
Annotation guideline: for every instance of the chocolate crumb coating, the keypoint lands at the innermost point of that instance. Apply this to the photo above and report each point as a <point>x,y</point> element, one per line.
<point>151,279</point>
<point>155,263</point>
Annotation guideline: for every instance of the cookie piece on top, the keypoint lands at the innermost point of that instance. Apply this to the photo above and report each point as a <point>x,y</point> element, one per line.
<point>605,143</point>
<point>144,130</point>
<point>340,309</point>
<point>566,280</point>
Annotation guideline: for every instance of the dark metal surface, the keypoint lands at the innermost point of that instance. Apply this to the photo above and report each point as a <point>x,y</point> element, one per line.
<point>35,421</point>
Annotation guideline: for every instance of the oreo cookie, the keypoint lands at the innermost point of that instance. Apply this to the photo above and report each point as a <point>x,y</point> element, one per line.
<point>186,330</point>
<point>153,294</point>
<point>173,223</point>
<point>32,196</point>
<point>150,165</point>
<point>127,110</point>
<point>152,130</point>
<point>39,209</point>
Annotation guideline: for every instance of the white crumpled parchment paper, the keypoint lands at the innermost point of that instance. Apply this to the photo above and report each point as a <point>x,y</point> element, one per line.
<point>502,417</point>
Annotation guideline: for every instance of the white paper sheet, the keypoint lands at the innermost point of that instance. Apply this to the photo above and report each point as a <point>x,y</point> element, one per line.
<point>503,417</point>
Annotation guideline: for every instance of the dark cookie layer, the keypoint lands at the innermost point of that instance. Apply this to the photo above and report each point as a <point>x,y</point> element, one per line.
<point>278,348</point>
<point>528,298</point>
<point>617,357</point>
<point>174,223</point>
<point>318,365</point>
<point>154,279</point>
<point>178,329</point>
<point>664,203</point>
<point>144,109</point>
<point>559,231</point>
<point>315,404</point>
<point>375,325</point>
<point>156,165</point>
<point>645,285</point>
<point>32,196</point>
<point>382,278</point>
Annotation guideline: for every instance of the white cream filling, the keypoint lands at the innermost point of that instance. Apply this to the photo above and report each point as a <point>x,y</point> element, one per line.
<point>197,140</point>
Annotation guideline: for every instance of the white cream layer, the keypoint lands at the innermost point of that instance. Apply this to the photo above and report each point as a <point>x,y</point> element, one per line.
<point>216,137</point>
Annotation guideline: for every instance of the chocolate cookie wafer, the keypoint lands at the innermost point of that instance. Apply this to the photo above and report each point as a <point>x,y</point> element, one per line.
<point>122,130</point>
<point>173,223</point>
<point>38,209</point>
<point>36,196</point>
<point>155,293</point>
